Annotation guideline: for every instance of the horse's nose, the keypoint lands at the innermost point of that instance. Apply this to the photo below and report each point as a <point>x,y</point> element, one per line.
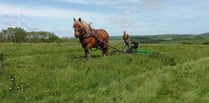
<point>76,35</point>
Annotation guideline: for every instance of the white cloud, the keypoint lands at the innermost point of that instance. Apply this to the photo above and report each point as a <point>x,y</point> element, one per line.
<point>15,10</point>
<point>151,4</point>
<point>94,2</point>
<point>47,18</point>
<point>11,22</point>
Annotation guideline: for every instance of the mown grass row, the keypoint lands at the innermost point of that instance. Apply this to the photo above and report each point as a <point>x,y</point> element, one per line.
<point>58,73</point>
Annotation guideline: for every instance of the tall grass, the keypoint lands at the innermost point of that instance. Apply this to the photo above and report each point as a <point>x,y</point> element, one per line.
<point>58,72</point>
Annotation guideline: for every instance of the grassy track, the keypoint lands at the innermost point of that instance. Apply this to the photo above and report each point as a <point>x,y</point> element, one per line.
<point>57,72</point>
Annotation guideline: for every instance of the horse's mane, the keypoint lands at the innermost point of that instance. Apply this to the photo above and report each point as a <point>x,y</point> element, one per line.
<point>83,24</point>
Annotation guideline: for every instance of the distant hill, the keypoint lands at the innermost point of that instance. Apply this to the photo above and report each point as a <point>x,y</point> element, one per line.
<point>169,38</point>
<point>206,35</point>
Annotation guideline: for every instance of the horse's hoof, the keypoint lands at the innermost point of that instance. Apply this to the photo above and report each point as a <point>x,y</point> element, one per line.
<point>87,57</point>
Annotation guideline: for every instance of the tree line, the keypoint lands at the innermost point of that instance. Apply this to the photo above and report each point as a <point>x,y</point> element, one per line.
<point>19,35</point>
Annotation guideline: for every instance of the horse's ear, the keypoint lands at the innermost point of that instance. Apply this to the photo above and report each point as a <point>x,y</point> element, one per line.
<point>79,19</point>
<point>73,19</point>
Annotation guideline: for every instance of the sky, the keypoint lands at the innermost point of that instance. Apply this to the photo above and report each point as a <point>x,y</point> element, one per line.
<point>137,17</point>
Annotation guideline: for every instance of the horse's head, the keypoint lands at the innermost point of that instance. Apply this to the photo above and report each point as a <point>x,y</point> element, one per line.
<point>80,27</point>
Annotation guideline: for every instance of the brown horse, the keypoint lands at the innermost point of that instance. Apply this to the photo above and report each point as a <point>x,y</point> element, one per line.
<point>90,38</point>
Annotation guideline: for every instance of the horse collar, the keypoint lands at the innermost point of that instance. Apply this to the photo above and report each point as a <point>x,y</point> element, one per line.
<point>85,34</point>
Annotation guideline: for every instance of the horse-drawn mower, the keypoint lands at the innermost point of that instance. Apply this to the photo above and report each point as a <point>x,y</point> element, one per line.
<point>132,49</point>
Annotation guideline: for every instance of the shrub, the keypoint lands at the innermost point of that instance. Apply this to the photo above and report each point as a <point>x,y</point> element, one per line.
<point>184,42</point>
<point>205,43</point>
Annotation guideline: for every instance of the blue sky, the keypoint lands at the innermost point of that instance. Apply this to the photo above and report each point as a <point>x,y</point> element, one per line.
<point>137,17</point>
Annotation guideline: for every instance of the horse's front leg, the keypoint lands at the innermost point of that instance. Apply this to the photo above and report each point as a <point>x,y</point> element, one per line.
<point>87,55</point>
<point>105,50</point>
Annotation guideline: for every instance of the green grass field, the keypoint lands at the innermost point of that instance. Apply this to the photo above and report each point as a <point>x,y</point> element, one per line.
<point>58,73</point>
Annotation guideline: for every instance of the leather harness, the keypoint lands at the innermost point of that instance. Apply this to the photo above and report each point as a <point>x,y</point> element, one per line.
<point>88,34</point>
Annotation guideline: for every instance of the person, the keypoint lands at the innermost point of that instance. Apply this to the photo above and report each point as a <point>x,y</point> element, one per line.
<point>126,41</point>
